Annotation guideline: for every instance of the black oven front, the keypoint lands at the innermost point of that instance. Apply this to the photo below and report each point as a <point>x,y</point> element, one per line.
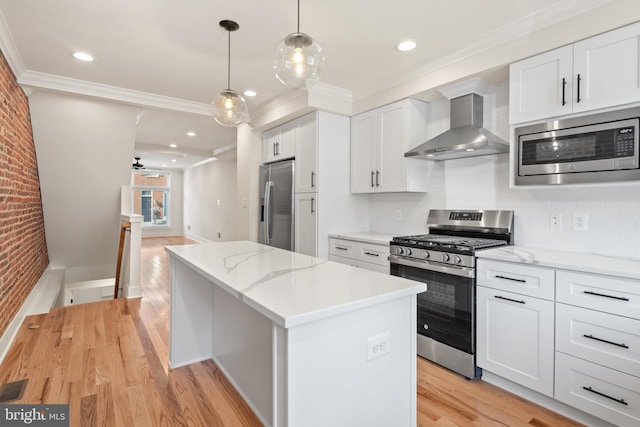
<point>446,312</point>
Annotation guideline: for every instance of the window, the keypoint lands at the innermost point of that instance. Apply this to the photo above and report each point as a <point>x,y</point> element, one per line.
<point>150,194</point>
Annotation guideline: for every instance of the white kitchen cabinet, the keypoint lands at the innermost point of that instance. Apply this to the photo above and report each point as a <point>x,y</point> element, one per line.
<point>362,254</point>
<point>515,337</point>
<point>306,223</point>
<point>379,139</point>
<point>598,72</point>
<point>306,149</point>
<point>279,143</point>
<point>321,180</point>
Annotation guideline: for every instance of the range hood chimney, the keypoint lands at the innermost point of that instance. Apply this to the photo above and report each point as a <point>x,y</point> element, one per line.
<point>467,136</point>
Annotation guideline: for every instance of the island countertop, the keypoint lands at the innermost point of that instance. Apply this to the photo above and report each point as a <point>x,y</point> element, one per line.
<point>287,287</point>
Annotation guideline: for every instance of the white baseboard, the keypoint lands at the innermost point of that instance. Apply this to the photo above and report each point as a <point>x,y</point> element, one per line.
<point>42,298</point>
<point>134,292</point>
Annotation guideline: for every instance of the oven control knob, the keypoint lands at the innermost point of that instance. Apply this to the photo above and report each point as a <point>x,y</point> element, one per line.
<point>425,255</point>
<point>399,250</point>
<point>445,258</point>
<point>457,260</point>
<point>407,251</point>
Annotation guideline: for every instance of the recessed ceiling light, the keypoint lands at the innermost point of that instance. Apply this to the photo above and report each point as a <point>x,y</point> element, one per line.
<point>249,93</point>
<point>164,166</point>
<point>429,155</point>
<point>174,160</point>
<point>191,133</point>
<point>469,149</point>
<point>172,145</point>
<point>406,46</point>
<point>82,56</point>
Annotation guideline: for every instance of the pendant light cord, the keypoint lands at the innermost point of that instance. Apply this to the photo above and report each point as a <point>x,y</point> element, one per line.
<point>229,61</point>
<point>298,15</point>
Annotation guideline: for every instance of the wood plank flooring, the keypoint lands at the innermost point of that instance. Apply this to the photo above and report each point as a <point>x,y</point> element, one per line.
<point>108,361</point>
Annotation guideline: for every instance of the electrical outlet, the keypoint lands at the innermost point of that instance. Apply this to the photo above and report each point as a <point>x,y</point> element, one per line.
<point>398,215</point>
<point>378,345</point>
<point>581,221</point>
<point>219,234</point>
<point>555,220</point>
<point>245,202</point>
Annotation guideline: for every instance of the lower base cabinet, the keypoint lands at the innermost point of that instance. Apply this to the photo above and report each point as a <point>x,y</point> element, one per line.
<point>515,338</point>
<point>360,254</point>
<point>606,393</point>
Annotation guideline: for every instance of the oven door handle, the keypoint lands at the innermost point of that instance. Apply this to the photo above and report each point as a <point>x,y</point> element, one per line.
<point>431,266</point>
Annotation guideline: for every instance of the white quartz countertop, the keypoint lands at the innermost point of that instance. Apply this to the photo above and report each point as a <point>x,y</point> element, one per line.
<point>287,287</point>
<point>588,263</point>
<point>367,237</point>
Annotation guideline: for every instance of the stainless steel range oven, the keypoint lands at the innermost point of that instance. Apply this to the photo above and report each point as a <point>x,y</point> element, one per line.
<point>445,260</point>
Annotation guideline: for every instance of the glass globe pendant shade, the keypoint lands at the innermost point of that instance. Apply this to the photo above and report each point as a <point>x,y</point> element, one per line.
<point>229,108</point>
<point>299,61</point>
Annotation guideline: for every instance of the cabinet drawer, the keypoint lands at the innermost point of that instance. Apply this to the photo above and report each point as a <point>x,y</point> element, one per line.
<point>611,341</point>
<point>522,279</point>
<point>344,248</point>
<point>344,260</point>
<point>375,254</point>
<point>603,293</point>
<point>597,390</point>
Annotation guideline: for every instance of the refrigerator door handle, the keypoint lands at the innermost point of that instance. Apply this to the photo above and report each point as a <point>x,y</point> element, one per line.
<point>268,226</point>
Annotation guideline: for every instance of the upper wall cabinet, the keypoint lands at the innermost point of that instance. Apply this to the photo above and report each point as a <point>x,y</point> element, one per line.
<point>379,139</point>
<point>599,72</point>
<point>279,143</point>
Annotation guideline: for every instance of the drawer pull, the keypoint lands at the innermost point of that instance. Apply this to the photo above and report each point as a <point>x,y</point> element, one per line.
<point>606,296</point>
<point>509,299</point>
<point>591,337</point>
<point>371,254</point>
<point>621,401</point>
<point>511,278</point>
<point>340,248</point>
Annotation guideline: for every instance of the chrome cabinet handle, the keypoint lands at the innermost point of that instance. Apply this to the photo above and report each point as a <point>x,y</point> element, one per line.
<point>509,299</point>
<point>621,401</point>
<point>578,98</point>
<point>377,178</point>
<point>372,185</point>
<point>591,337</point>
<point>313,179</point>
<point>510,278</point>
<point>341,248</point>
<point>371,254</point>
<point>313,202</point>
<point>564,84</point>
<point>606,296</point>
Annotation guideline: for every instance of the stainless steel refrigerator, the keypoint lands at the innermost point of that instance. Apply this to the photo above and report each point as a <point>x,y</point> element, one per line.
<point>276,205</point>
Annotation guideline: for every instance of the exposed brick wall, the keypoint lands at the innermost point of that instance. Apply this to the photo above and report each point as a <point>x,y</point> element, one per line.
<point>23,248</point>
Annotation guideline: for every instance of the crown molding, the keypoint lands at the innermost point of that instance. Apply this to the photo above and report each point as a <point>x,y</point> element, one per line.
<point>50,82</point>
<point>9,50</point>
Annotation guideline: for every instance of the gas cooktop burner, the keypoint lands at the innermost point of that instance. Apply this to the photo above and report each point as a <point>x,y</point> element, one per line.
<point>444,241</point>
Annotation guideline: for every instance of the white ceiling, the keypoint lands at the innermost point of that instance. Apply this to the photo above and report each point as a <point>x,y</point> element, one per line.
<point>173,53</point>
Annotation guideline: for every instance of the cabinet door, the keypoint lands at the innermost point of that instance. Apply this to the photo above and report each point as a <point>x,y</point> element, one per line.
<point>391,172</point>
<point>541,86</point>
<point>270,143</point>
<point>306,224</point>
<point>363,152</point>
<point>515,338</point>
<point>286,148</point>
<point>608,69</point>
<point>307,156</point>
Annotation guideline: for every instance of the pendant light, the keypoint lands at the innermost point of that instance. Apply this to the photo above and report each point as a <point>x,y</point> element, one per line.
<point>299,60</point>
<point>229,108</point>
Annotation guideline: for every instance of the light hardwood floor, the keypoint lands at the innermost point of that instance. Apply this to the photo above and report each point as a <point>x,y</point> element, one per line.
<point>108,361</point>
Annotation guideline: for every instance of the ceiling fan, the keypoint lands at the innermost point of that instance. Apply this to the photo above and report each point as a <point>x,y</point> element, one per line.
<point>137,165</point>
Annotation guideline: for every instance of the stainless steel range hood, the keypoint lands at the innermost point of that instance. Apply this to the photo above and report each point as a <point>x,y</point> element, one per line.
<point>467,136</point>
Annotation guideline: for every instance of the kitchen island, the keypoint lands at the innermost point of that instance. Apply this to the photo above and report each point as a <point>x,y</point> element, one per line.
<point>306,341</point>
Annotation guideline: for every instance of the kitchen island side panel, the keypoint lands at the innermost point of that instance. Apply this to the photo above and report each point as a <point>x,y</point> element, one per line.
<point>332,382</point>
<point>191,319</point>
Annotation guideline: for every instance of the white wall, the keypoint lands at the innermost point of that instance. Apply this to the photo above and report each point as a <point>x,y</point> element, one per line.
<point>209,201</point>
<point>483,183</point>
<point>84,149</point>
<point>249,161</point>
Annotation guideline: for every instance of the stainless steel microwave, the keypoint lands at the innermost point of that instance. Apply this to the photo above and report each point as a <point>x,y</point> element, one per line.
<point>595,148</point>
